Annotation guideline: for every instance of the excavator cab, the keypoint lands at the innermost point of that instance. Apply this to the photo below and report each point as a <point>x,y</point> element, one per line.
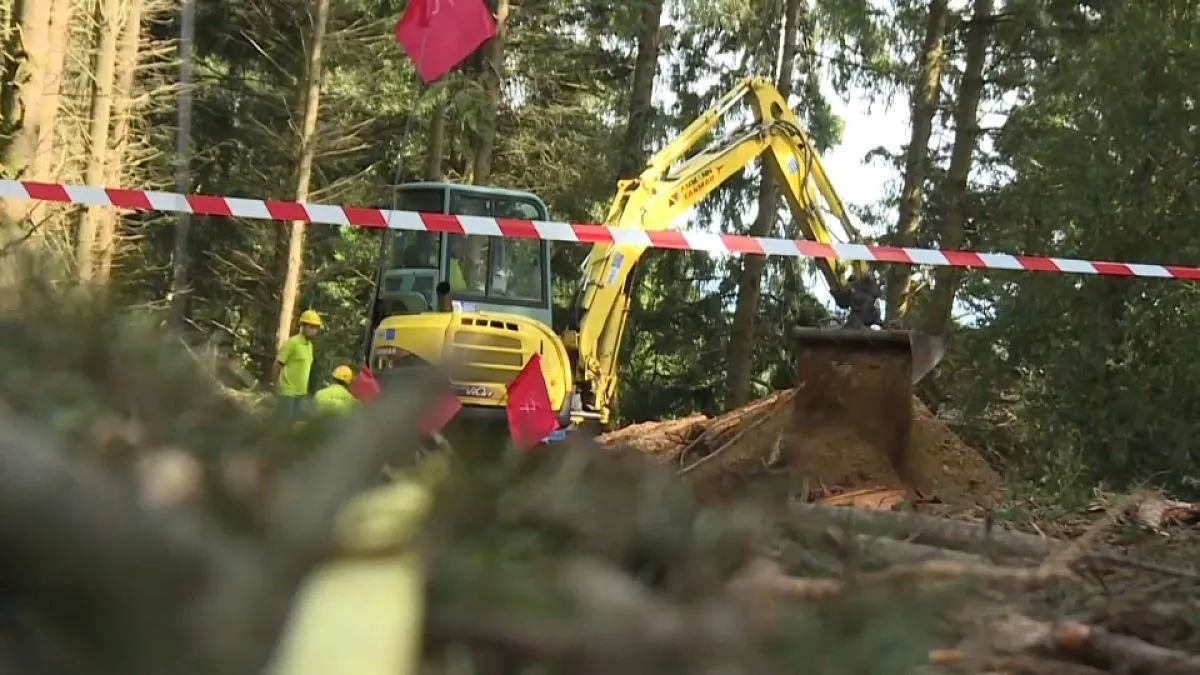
<point>490,274</point>
<point>498,310</point>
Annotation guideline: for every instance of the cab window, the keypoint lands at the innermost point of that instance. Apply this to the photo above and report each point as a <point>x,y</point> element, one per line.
<point>468,264</point>
<point>518,208</point>
<point>496,268</point>
<point>465,204</point>
<point>517,270</point>
<point>416,249</point>
<point>413,249</point>
<point>424,200</point>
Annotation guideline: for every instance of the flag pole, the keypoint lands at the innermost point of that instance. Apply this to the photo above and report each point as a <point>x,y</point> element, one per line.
<point>405,140</point>
<point>422,13</point>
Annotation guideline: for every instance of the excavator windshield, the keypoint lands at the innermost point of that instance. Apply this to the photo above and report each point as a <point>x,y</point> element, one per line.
<point>484,272</point>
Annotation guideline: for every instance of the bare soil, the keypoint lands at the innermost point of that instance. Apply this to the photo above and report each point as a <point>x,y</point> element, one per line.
<point>785,441</point>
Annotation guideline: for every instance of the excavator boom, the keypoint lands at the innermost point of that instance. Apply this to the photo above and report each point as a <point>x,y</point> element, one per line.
<point>685,172</point>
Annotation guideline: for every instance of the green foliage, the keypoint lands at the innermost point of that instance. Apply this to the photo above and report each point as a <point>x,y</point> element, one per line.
<point>561,118</point>
<point>1094,373</point>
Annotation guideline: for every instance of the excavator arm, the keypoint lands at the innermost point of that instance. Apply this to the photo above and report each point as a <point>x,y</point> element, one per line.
<point>677,178</point>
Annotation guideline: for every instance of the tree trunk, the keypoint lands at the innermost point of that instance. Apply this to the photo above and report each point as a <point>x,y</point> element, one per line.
<point>926,92</point>
<point>641,98</point>
<point>108,24</point>
<point>127,59</point>
<point>23,86</point>
<point>43,166</point>
<point>311,98</point>
<point>493,76</point>
<point>436,140</point>
<point>632,158</point>
<point>740,356</point>
<point>47,123</point>
<point>966,132</point>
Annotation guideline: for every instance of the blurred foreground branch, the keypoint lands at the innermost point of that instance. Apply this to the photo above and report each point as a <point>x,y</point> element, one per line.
<point>151,524</point>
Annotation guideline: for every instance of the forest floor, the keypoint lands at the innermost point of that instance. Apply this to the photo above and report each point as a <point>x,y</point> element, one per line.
<point>770,443</point>
<point>1111,590</point>
<point>1114,592</point>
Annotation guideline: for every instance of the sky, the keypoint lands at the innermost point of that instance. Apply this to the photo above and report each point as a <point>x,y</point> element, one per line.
<point>857,181</point>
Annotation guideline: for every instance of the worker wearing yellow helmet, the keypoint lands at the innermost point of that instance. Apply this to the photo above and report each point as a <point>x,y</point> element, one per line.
<point>336,398</point>
<point>293,366</point>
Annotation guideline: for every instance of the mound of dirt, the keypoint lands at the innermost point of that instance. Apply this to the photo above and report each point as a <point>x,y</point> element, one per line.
<point>767,445</point>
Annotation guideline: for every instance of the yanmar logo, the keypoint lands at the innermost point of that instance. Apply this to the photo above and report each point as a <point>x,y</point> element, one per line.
<point>695,186</point>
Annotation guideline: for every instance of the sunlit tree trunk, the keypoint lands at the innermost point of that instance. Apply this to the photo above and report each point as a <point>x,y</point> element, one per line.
<point>108,25</point>
<point>20,98</point>
<point>59,35</point>
<point>127,60</point>
<point>493,77</point>
<point>311,97</point>
<point>435,148</point>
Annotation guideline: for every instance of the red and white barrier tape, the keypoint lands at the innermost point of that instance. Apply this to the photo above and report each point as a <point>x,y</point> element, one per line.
<point>266,209</point>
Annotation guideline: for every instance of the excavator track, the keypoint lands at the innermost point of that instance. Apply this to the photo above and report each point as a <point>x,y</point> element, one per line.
<point>863,380</point>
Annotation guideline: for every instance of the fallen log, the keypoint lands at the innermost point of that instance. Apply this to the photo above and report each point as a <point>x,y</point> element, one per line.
<point>883,550</point>
<point>1091,645</point>
<point>664,441</point>
<point>919,528</point>
<point>994,543</point>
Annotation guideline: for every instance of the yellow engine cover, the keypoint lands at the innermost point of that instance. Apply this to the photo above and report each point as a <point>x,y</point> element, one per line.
<point>481,351</point>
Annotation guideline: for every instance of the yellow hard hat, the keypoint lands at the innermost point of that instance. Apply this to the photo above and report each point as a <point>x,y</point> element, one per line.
<point>343,374</point>
<point>311,318</point>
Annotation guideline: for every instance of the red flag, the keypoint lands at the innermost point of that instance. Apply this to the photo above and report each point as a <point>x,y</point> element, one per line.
<point>440,34</point>
<point>445,410</point>
<point>365,387</point>
<point>530,414</point>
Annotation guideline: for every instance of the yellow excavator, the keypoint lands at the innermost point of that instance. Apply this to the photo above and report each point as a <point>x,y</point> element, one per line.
<point>480,305</point>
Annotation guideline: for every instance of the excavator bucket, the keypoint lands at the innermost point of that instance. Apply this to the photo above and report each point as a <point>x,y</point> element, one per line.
<point>862,380</point>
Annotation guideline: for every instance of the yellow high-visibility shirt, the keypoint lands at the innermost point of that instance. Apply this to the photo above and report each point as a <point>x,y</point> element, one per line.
<point>296,359</point>
<point>457,280</point>
<point>335,398</point>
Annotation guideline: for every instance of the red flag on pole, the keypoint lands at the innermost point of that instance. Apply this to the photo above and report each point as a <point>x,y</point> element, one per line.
<point>365,387</point>
<point>444,411</point>
<point>440,34</point>
<point>530,413</point>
